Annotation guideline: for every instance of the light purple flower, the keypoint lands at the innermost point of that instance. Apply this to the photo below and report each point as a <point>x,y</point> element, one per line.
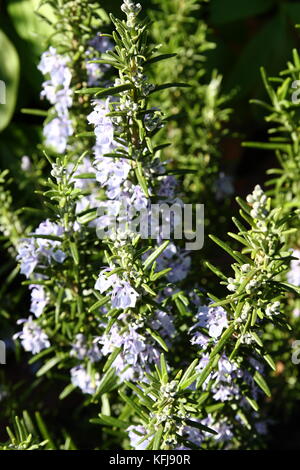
<point>137,351</point>
<point>164,323</point>
<point>212,318</point>
<point>81,350</point>
<point>136,434</point>
<point>57,133</point>
<point>33,251</point>
<point>58,92</point>
<point>39,299</point>
<point>168,187</point>
<point>175,259</point>
<point>32,337</point>
<point>123,295</point>
<point>103,282</point>
<point>80,378</point>
<point>28,256</point>
<point>25,163</point>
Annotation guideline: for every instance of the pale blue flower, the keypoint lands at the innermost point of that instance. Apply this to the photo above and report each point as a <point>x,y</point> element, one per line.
<point>82,350</point>
<point>136,434</point>
<point>39,299</point>
<point>57,133</point>
<point>32,337</point>
<point>103,282</point>
<point>123,295</point>
<point>212,318</point>
<point>34,251</point>
<point>80,378</point>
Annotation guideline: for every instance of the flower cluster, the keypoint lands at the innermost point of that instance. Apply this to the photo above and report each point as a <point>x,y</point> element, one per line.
<point>258,200</point>
<point>137,354</point>
<point>58,92</point>
<point>36,254</point>
<point>122,293</point>
<point>82,379</point>
<point>41,249</point>
<point>32,337</point>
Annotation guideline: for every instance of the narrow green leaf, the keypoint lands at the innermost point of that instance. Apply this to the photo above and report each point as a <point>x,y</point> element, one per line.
<point>200,426</point>
<point>262,383</point>
<point>99,303</point>
<point>156,253</point>
<point>252,403</point>
<point>169,85</point>
<point>141,178</point>
<point>111,359</point>
<point>158,58</point>
<point>133,405</point>
<point>35,112</point>
<point>157,438</point>
<point>66,391</point>
<point>225,247</point>
<point>44,431</point>
<point>270,361</point>
<point>158,339</point>
<point>164,369</point>
<point>113,90</point>
<point>48,366</point>
<point>47,237</point>
<point>107,382</point>
<point>110,421</point>
<point>216,271</point>
<point>188,373</point>
<point>74,252</point>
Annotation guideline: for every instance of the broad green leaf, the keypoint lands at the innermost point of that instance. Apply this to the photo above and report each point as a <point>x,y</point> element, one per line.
<point>9,79</point>
<point>27,23</point>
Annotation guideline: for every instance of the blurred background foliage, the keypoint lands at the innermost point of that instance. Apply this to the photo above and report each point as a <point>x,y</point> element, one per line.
<point>248,34</point>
